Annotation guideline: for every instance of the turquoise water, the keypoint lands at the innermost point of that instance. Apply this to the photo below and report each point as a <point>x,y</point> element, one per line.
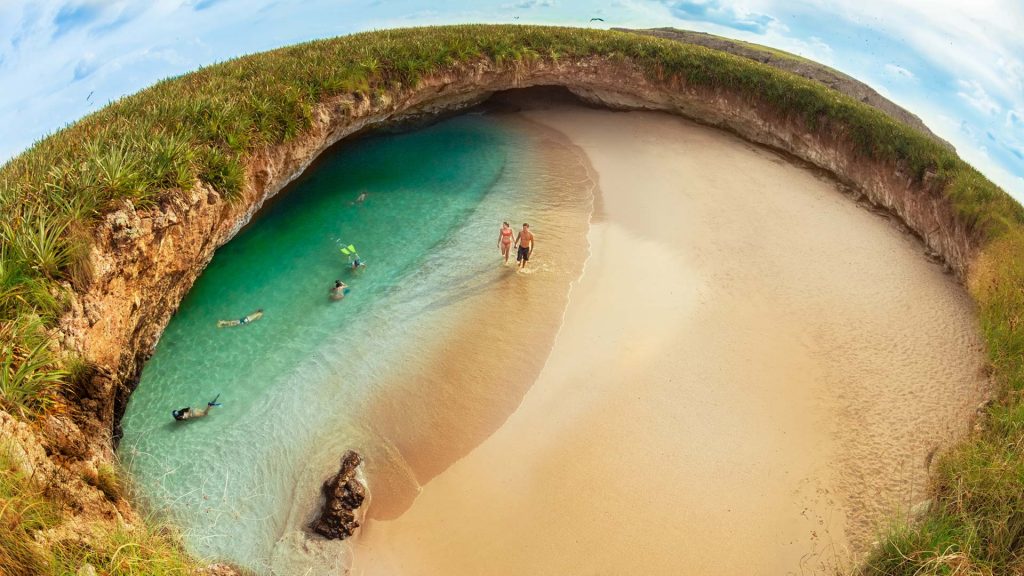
<point>292,382</point>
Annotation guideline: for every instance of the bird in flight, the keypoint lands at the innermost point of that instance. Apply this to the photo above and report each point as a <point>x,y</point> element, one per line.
<point>598,19</point>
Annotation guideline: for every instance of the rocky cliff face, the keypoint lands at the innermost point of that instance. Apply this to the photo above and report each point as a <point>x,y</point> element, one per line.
<point>146,261</point>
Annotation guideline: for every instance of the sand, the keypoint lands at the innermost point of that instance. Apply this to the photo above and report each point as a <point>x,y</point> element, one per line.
<point>749,377</point>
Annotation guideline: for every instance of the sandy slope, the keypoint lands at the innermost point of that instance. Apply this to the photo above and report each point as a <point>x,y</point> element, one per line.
<point>750,374</point>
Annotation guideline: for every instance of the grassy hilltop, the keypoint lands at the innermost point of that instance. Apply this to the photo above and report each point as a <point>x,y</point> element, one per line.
<point>204,126</point>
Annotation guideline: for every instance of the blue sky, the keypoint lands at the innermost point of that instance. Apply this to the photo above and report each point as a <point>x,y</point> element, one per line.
<point>958,65</point>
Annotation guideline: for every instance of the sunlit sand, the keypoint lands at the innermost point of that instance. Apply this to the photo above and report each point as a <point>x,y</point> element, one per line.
<point>751,375</point>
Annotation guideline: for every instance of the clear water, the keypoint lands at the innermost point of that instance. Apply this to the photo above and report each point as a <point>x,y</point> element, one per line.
<point>291,382</point>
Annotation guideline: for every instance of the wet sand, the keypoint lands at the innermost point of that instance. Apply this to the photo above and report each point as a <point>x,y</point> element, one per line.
<point>751,373</point>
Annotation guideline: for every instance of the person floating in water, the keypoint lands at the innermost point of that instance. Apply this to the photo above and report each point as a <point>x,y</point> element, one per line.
<point>246,320</point>
<point>353,256</point>
<point>188,413</point>
<point>524,242</point>
<point>339,291</point>
<point>505,240</point>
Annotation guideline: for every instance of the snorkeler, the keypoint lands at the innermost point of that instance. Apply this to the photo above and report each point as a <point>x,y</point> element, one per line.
<point>339,291</point>
<point>353,256</point>
<point>505,240</point>
<point>188,413</point>
<point>254,316</point>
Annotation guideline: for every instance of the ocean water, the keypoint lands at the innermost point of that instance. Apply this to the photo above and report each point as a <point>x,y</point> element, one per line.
<point>296,384</point>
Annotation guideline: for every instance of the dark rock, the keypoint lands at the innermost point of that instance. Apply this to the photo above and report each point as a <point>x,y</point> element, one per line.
<point>343,494</point>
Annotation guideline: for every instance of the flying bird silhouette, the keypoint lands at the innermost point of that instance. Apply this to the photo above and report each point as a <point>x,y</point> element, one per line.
<point>89,96</point>
<point>600,19</point>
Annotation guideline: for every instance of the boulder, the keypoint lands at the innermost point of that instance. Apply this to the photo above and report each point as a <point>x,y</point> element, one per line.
<point>343,494</point>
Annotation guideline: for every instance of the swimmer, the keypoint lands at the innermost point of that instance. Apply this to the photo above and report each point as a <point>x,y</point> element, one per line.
<point>246,320</point>
<point>339,291</point>
<point>505,240</point>
<point>524,241</point>
<point>353,256</point>
<point>361,198</point>
<point>188,413</point>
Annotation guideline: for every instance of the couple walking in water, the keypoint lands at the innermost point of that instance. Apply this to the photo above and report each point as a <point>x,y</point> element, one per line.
<point>523,242</point>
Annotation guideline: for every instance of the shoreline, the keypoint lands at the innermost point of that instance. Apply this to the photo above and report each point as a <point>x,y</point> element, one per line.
<point>468,372</point>
<point>467,381</point>
<point>548,487</point>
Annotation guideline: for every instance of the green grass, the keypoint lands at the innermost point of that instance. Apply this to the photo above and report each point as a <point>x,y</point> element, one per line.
<point>938,545</point>
<point>26,509</point>
<point>204,126</point>
<point>31,376</point>
<point>124,552</point>
<point>107,478</point>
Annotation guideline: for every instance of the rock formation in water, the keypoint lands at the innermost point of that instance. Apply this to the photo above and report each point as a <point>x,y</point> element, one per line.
<point>343,494</point>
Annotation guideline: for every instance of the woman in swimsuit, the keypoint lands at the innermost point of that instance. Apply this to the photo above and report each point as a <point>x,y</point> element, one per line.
<point>505,240</point>
<point>339,290</point>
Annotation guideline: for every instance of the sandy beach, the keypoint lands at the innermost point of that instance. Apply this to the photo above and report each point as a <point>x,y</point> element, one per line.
<point>751,373</point>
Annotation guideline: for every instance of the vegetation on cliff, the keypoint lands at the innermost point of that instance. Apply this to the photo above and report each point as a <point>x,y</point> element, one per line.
<point>204,126</point>
<point>28,507</point>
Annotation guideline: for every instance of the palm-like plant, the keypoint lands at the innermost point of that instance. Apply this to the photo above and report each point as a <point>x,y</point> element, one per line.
<point>30,373</point>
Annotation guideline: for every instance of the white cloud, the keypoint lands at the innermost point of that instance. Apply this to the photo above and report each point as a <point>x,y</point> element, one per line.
<point>527,4</point>
<point>962,37</point>
<point>1013,71</point>
<point>894,70</point>
<point>731,15</point>
<point>974,94</point>
<point>85,67</point>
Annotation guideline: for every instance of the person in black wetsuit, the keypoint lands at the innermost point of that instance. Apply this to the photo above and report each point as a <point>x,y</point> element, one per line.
<point>188,413</point>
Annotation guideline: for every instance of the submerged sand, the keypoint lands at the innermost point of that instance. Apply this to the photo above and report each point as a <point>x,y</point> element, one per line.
<point>751,374</point>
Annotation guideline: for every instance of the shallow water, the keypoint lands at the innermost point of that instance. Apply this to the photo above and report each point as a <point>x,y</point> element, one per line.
<point>313,377</point>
